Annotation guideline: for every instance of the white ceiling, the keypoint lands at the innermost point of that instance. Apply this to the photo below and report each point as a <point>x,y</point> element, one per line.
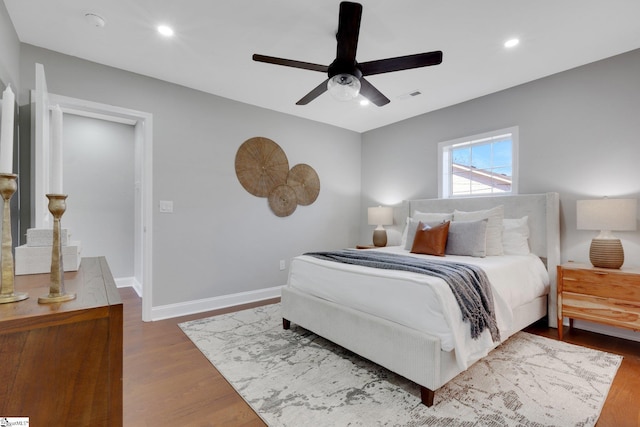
<point>214,41</point>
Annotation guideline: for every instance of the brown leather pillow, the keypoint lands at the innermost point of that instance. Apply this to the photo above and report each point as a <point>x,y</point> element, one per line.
<point>432,241</point>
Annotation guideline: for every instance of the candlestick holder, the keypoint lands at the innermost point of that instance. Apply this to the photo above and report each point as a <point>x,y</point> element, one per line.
<point>8,187</point>
<point>57,207</point>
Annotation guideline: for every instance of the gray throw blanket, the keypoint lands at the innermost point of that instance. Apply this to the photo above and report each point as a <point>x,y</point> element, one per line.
<point>469,283</point>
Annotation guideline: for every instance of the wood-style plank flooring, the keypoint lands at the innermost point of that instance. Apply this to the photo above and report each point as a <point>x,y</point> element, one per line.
<point>168,382</point>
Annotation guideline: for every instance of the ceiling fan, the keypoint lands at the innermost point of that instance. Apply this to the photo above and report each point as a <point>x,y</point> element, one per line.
<point>345,75</point>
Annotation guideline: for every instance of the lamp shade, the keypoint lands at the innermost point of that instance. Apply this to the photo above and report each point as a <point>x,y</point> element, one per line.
<point>607,214</point>
<point>380,215</point>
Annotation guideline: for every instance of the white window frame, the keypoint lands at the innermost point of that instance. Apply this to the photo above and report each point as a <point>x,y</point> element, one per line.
<point>444,161</point>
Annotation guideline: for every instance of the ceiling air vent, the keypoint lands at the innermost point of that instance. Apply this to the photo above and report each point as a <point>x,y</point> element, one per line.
<point>410,94</point>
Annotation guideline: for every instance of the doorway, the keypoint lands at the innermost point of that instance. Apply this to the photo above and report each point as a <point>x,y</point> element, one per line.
<point>98,165</point>
<point>141,124</point>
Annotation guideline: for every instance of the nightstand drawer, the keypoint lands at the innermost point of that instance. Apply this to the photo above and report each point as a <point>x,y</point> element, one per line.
<point>600,295</point>
<point>606,288</point>
<point>598,275</point>
<point>603,310</point>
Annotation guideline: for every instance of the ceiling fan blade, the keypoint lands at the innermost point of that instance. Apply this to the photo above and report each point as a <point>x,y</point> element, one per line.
<point>348,31</point>
<point>400,63</point>
<point>319,90</point>
<point>290,63</point>
<point>372,94</point>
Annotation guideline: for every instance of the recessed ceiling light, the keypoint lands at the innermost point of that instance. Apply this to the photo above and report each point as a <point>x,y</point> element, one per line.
<point>511,43</point>
<point>165,30</point>
<point>95,20</point>
<point>364,102</point>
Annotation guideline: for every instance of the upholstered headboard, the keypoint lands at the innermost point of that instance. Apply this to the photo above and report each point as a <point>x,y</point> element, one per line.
<point>543,211</point>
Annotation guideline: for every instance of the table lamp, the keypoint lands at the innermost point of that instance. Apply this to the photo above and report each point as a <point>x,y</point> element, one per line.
<point>380,216</point>
<point>606,215</point>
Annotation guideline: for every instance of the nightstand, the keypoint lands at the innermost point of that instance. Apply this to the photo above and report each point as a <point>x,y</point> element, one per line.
<point>601,295</point>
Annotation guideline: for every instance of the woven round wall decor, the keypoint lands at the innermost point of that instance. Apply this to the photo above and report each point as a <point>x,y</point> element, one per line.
<point>305,182</point>
<point>282,200</point>
<point>261,166</point>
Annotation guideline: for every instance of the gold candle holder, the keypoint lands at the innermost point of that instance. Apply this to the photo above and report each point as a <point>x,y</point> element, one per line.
<point>8,187</point>
<point>57,207</point>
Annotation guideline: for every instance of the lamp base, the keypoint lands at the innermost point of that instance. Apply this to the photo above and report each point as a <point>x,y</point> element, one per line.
<point>380,238</point>
<point>606,253</point>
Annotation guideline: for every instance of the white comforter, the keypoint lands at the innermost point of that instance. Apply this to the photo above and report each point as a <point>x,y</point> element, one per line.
<point>424,302</point>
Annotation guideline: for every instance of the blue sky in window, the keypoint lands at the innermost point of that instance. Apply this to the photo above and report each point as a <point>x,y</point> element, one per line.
<point>492,156</point>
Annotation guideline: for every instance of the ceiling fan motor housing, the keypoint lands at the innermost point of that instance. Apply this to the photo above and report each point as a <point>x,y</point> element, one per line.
<point>344,67</point>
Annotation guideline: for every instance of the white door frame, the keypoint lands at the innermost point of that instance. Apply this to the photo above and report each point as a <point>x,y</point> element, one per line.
<point>143,135</point>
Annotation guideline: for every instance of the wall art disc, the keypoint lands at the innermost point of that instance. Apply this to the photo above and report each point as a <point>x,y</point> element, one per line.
<point>261,166</point>
<point>282,200</point>
<point>305,182</point>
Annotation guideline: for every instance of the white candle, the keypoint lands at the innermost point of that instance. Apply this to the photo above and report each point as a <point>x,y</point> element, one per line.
<point>56,151</point>
<point>6,131</point>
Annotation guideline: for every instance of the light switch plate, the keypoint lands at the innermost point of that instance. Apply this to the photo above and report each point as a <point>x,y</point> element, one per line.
<point>166,206</point>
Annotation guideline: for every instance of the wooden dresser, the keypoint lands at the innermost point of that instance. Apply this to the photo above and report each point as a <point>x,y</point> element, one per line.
<point>601,295</point>
<point>61,364</point>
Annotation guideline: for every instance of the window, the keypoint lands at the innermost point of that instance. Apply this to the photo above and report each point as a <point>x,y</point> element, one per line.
<point>479,165</point>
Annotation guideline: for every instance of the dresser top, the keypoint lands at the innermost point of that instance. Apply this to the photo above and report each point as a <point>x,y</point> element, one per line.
<point>92,283</point>
<point>583,266</point>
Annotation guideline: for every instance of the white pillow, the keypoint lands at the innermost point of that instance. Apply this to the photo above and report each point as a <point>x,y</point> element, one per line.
<point>424,217</point>
<point>432,217</point>
<point>403,239</point>
<point>515,236</point>
<point>494,226</point>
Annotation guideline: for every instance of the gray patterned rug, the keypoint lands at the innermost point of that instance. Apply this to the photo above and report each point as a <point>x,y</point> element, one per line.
<point>295,378</point>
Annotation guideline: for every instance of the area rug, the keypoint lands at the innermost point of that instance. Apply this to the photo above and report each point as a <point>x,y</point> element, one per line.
<point>295,378</point>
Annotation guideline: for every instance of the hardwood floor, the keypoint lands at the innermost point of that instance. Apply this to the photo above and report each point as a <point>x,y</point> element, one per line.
<point>168,382</point>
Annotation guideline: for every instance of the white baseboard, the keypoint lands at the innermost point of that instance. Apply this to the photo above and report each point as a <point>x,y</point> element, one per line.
<point>129,282</point>
<point>627,334</point>
<point>215,303</point>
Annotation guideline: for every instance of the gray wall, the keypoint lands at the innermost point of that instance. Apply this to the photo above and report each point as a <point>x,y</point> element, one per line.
<point>98,170</point>
<point>579,136</point>
<point>220,240</point>
<point>9,50</point>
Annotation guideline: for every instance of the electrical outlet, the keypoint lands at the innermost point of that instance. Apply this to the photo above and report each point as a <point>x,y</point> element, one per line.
<point>282,264</point>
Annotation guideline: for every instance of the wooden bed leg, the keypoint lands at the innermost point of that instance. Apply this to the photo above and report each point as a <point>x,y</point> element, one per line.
<point>427,396</point>
<point>286,324</point>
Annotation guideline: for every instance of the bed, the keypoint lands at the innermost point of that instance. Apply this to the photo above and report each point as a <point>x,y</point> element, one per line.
<point>390,317</point>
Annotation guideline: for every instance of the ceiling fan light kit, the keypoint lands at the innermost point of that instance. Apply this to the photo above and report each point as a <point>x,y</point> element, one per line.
<point>345,75</point>
<point>344,87</point>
